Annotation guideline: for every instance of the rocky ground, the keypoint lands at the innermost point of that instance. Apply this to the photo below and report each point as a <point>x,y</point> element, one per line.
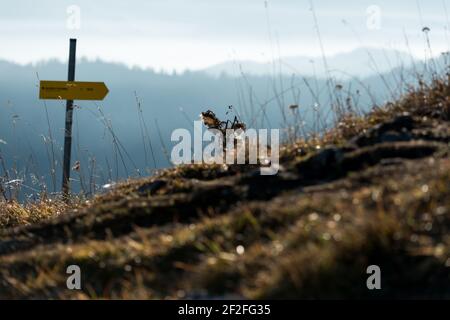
<point>375,190</point>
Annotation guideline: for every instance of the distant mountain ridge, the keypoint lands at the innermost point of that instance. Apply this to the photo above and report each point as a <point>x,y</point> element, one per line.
<point>361,62</point>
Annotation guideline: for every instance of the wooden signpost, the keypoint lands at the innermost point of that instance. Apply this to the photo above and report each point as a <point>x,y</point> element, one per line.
<point>70,90</point>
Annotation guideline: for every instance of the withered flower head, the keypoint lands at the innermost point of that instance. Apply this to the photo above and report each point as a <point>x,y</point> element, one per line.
<point>209,118</point>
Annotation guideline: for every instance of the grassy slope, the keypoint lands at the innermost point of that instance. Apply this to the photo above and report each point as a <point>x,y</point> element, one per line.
<point>375,190</point>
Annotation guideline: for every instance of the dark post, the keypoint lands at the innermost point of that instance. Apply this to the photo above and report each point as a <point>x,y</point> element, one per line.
<point>68,130</point>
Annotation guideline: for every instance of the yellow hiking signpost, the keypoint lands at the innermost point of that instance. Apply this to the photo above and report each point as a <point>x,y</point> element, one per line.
<point>70,90</point>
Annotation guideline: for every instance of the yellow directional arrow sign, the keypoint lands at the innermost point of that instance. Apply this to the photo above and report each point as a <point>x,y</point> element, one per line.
<point>72,90</point>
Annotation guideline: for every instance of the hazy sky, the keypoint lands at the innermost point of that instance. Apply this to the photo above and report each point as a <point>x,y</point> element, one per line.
<point>180,34</point>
